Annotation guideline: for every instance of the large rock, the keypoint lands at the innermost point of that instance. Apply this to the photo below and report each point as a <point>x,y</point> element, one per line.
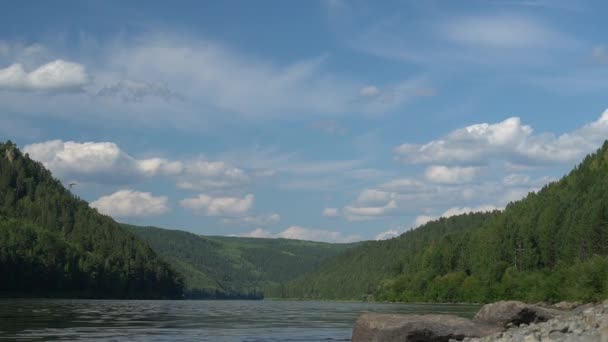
<point>508,313</point>
<point>416,328</point>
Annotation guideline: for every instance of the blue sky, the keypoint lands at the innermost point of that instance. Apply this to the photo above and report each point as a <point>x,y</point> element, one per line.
<point>329,120</point>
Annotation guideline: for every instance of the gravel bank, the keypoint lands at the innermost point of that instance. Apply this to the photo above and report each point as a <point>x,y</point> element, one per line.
<point>586,323</point>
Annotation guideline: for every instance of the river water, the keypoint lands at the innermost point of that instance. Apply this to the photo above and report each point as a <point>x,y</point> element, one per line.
<point>142,320</point>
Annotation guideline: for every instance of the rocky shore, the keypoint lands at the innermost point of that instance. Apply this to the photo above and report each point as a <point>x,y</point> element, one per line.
<point>500,321</point>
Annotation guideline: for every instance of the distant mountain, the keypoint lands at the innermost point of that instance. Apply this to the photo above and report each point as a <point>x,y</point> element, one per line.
<point>235,267</point>
<point>550,246</point>
<point>53,244</point>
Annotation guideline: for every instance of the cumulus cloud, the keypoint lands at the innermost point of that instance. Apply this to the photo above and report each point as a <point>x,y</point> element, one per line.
<point>359,212</point>
<point>302,233</point>
<point>101,161</point>
<point>450,175</point>
<point>58,75</point>
<point>454,211</point>
<point>105,162</point>
<point>389,234</point>
<point>219,206</point>
<point>331,212</point>
<point>423,219</point>
<point>130,203</point>
<point>509,141</point>
<point>201,175</point>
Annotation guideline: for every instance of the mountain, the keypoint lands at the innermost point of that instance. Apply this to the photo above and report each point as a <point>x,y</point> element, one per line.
<point>235,267</point>
<point>53,244</point>
<point>550,246</point>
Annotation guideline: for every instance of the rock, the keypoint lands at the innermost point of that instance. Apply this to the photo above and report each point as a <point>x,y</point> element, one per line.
<point>567,305</point>
<point>590,324</point>
<point>419,328</point>
<point>504,312</point>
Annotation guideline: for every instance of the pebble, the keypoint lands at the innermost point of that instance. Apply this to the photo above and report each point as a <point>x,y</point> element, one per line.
<point>590,325</point>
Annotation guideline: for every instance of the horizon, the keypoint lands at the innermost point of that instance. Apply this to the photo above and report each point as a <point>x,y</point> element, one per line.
<point>323,121</point>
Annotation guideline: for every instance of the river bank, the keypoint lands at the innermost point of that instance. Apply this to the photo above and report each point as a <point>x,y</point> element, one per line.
<point>500,321</point>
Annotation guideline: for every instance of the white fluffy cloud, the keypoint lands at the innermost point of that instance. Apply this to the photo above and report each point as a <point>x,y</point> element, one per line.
<point>58,75</point>
<point>302,233</point>
<point>389,234</point>
<point>102,161</point>
<point>130,203</point>
<point>454,211</point>
<point>509,141</point>
<point>359,212</point>
<point>105,162</point>
<point>201,175</point>
<point>219,206</point>
<point>450,175</point>
<point>331,212</point>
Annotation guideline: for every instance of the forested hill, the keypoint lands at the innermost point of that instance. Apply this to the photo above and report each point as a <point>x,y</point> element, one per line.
<point>550,246</point>
<point>53,244</point>
<point>235,267</point>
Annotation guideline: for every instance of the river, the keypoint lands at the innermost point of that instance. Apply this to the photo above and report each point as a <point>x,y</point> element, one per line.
<point>217,321</point>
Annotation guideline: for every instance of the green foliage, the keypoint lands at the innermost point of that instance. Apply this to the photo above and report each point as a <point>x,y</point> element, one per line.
<point>232,267</point>
<point>550,246</point>
<point>53,244</point>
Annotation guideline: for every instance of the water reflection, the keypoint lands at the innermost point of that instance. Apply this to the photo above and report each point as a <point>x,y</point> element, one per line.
<point>126,320</point>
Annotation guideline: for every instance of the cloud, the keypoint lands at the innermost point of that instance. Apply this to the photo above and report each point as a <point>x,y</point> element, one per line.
<point>105,162</point>
<point>223,78</point>
<point>259,220</point>
<point>445,39</point>
<point>331,212</point>
<point>509,141</point>
<point>373,196</point>
<point>423,219</point>
<point>454,211</point>
<point>133,91</point>
<point>369,91</point>
<point>389,234</point>
<point>88,161</point>
<point>130,203</point>
<point>55,76</point>
<point>362,212</point>
<point>450,175</point>
<point>501,32</point>
<point>219,206</point>
<point>302,233</point>
<point>202,175</point>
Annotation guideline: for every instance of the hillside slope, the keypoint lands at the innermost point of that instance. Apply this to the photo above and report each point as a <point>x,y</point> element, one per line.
<point>235,267</point>
<point>551,245</point>
<point>53,244</point>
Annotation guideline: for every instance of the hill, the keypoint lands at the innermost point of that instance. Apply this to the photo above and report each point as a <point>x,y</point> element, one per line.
<point>235,267</point>
<point>550,246</point>
<point>53,244</point>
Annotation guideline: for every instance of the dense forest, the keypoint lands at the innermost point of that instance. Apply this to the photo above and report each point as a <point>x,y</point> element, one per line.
<point>53,244</point>
<point>235,267</point>
<point>550,246</point>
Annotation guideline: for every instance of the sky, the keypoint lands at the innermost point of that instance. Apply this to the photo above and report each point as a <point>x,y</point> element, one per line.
<point>328,120</point>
